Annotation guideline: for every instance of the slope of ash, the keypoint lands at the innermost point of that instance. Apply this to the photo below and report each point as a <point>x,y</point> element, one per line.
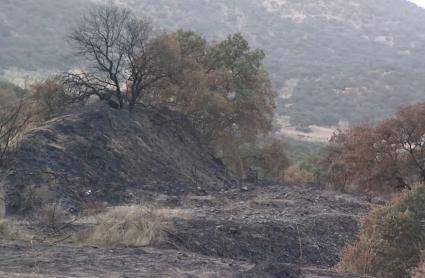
<point>109,155</point>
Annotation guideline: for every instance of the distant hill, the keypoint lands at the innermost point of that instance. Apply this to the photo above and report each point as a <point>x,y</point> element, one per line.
<point>336,60</point>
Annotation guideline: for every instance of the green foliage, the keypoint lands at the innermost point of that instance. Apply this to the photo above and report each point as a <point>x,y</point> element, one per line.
<point>222,87</point>
<point>235,56</point>
<point>306,157</point>
<point>226,93</point>
<point>391,238</point>
<point>193,44</point>
<point>266,157</point>
<point>299,150</point>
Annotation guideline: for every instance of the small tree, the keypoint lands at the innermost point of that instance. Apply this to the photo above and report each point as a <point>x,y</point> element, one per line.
<point>390,154</point>
<point>122,62</point>
<point>222,88</point>
<point>50,98</point>
<point>275,160</point>
<point>14,118</point>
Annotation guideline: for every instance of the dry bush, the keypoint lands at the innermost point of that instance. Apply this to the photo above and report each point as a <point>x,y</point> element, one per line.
<point>261,159</point>
<point>419,272</point>
<point>9,231</point>
<point>391,238</point>
<point>297,174</point>
<point>128,226</point>
<point>275,160</point>
<point>50,99</point>
<point>14,119</point>
<point>2,202</point>
<point>390,154</point>
<point>53,215</point>
<point>32,198</point>
<point>93,208</point>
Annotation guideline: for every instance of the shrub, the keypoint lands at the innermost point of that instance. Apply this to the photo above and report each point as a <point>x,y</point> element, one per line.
<point>128,226</point>
<point>92,208</point>
<point>14,119</point>
<point>53,215</point>
<point>275,160</point>
<point>299,174</point>
<point>50,99</point>
<point>419,272</point>
<point>11,232</point>
<point>33,198</point>
<point>2,202</point>
<point>391,238</point>
<point>389,155</point>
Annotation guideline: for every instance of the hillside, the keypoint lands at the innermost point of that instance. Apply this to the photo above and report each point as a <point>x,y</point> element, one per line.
<point>330,60</point>
<point>106,155</point>
<point>150,164</point>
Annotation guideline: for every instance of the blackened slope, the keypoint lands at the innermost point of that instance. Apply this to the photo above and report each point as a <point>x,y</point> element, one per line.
<point>110,155</point>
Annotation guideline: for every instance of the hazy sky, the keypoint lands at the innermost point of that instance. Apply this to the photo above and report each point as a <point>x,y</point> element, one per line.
<point>419,2</point>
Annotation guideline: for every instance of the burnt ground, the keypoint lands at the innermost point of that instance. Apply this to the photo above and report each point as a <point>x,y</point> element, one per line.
<point>272,231</point>
<point>110,153</point>
<point>299,224</point>
<point>219,228</point>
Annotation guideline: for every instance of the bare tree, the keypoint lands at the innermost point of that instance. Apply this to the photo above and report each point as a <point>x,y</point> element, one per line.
<point>121,56</point>
<point>13,121</point>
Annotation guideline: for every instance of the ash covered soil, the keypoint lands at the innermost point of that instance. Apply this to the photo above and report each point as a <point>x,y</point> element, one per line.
<point>219,228</point>
<point>271,231</point>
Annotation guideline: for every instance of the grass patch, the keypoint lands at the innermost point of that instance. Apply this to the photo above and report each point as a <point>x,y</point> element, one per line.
<point>11,232</point>
<point>129,226</point>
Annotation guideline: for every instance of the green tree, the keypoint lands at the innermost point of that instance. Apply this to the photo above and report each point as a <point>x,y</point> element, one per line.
<point>235,56</point>
<point>223,89</point>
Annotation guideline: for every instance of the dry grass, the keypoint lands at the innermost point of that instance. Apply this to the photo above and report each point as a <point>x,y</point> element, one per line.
<point>11,232</point>
<point>419,272</point>
<point>128,226</point>
<point>296,174</point>
<point>2,203</point>
<point>53,215</point>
